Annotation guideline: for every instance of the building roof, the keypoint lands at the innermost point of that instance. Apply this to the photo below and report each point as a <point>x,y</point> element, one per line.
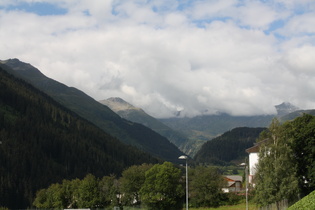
<point>234,178</point>
<point>255,148</point>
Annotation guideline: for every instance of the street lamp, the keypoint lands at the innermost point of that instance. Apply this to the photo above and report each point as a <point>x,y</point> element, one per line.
<point>246,177</point>
<point>184,157</point>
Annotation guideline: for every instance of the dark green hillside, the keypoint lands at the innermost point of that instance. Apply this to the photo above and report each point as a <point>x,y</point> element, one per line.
<point>100,115</point>
<point>42,142</point>
<point>134,114</point>
<point>141,117</point>
<point>228,147</point>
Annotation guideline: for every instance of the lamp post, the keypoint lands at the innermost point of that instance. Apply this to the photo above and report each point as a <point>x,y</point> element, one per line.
<point>246,177</point>
<point>184,157</point>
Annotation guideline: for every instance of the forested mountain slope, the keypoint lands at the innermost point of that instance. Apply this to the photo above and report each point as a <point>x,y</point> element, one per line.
<point>41,142</point>
<point>134,114</point>
<point>228,147</point>
<point>97,113</point>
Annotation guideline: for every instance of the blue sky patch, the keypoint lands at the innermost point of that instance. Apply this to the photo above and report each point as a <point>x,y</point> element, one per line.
<point>41,9</point>
<point>274,26</point>
<point>201,23</point>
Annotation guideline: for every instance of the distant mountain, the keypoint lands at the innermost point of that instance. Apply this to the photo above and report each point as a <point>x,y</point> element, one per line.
<point>295,114</point>
<point>285,108</point>
<point>229,147</point>
<point>134,114</point>
<point>200,129</point>
<point>42,142</point>
<point>189,134</point>
<point>97,113</point>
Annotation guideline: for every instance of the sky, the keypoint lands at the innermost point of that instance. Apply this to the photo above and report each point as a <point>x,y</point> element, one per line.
<point>171,57</point>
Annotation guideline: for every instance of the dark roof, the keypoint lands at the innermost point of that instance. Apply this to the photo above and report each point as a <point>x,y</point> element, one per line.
<point>255,148</point>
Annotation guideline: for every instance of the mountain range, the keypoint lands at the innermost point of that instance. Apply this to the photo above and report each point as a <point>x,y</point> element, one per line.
<point>173,136</point>
<point>85,106</point>
<point>189,134</point>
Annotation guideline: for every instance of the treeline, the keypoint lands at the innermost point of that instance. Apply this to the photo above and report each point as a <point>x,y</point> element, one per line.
<point>159,186</point>
<point>228,147</point>
<point>42,142</point>
<point>286,168</point>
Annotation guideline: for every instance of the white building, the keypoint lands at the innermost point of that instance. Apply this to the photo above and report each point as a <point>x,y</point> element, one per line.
<point>253,159</point>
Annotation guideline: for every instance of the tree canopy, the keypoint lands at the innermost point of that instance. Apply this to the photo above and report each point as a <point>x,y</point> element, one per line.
<point>286,165</point>
<point>131,182</point>
<point>206,186</point>
<point>162,188</point>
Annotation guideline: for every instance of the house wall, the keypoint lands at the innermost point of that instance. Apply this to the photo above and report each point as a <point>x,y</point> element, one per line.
<point>253,161</point>
<point>236,187</point>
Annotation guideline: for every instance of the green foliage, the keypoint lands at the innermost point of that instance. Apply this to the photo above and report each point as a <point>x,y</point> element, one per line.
<point>231,170</point>
<point>308,202</point>
<point>232,199</point>
<point>228,147</point>
<point>159,186</point>
<point>206,187</point>
<point>70,193</point>
<point>301,132</point>
<point>162,188</point>
<point>49,198</point>
<point>88,192</point>
<point>131,182</point>
<point>109,188</point>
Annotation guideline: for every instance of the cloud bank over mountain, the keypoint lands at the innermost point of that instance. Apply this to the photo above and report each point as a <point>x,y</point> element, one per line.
<point>196,57</point>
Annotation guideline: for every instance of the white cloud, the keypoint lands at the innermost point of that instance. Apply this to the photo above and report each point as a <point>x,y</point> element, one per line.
<point>301,60</point>
<point>256,14</point>
<point>207,56</point>
<point>300,25</point>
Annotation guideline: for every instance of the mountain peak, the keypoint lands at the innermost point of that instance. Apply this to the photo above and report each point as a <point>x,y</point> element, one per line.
<point>286,108</point>
<point>118,104</point>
